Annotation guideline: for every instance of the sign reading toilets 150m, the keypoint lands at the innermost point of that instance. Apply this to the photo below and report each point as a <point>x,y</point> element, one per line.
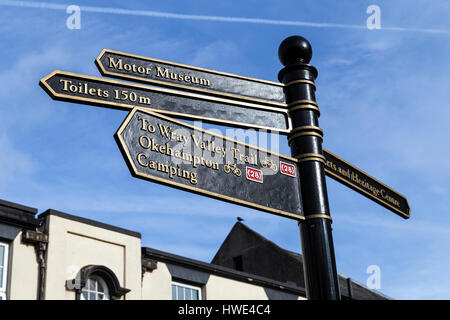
<point>177,154</point>
<point>180,76</point>
<point>96,91</point>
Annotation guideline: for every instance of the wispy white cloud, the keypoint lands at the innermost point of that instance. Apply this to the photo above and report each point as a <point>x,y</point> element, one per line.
<point>168,15</point>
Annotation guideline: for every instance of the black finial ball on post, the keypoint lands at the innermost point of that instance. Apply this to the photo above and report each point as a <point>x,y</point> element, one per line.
<point>294,49</point>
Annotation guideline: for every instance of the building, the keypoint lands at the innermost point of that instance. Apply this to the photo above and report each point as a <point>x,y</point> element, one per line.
<point>55,255</point>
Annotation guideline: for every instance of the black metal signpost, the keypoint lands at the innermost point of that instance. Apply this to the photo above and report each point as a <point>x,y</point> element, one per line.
<point>174,153</point>
<point>167,151</point>
<point>305,141</point>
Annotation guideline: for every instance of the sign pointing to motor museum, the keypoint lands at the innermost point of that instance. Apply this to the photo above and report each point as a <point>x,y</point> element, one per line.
<point>177,154</point>
<point>180,76</point>
<point>72,87</point>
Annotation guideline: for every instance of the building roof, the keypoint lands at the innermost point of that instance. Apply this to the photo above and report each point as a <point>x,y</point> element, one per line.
<point>246,250</point>
<point>18,215</point>
<point>52,212</point>
<point>150,253</point>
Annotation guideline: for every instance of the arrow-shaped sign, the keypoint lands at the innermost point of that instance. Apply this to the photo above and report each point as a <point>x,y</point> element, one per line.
<point>180,76</point>
<point>96,91</point>
<point>163,150</point>
<point>356,179</point>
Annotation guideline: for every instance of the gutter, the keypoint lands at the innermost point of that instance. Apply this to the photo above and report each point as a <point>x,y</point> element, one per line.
<point>40,242</point>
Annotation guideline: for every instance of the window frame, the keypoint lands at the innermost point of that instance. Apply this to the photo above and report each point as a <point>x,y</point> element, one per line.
<point>188,286</point>
<point>113,284</point>
<point>4,279</point>
<point>98,280</point>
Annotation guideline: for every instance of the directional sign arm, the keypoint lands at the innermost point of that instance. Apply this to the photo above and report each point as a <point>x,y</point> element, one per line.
<point>356,179</point>
<point>189,78</point>
<point>96,91</point>
<point>166,151</point>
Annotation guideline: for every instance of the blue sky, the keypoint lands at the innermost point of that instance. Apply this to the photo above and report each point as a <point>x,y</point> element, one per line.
<point>383,95</point>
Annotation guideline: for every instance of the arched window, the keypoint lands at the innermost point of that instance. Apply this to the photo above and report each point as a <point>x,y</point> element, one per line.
<point>95,282</point>
<point>95,289</point>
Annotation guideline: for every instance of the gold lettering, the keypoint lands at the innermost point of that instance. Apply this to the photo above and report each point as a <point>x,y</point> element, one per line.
<point>163,167</point>
<point>389,198</point>
<point>145,142</point>
<point>195,80</point>
<point>144,100</point>
<point>161,74</point>
<point>66,83</point>
<point>139,156</point>
<point>82,88</point>
<point>141,69</point>
<point>117,65</point>
<point>164,130</point>
<point>166,73</point>
<point>173,171</point>
<point>152,164</point>
<point>205,82</point>
<point>144,123</point>
<point>193,179</point>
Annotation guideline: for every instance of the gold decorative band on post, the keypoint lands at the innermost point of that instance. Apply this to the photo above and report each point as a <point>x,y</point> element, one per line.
<point>302,101</point>
<point>315,216</point>
<point>303,104</point>
<point>306,133</point>
<point>300,81</point>
<point>305,128</point>
<point>304,107</point>
<point>311,157</point>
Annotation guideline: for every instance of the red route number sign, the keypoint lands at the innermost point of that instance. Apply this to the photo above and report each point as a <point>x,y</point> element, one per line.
<point>287,169</point>
<point>254,174</point>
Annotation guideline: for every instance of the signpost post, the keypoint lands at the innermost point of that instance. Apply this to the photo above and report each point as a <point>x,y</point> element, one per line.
<point>305,140</point>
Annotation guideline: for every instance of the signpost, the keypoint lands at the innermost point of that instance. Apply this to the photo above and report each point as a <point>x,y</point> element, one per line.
<point>174,153</point>
<point>180,76</point>
<point>96,91</point>
<point>170,152</point>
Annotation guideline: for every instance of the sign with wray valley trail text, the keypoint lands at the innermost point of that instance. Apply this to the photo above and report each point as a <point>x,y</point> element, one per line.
<point>180,76</point>
<point>114,94</point>
<point>356,179</point>
<point>167,151</point>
